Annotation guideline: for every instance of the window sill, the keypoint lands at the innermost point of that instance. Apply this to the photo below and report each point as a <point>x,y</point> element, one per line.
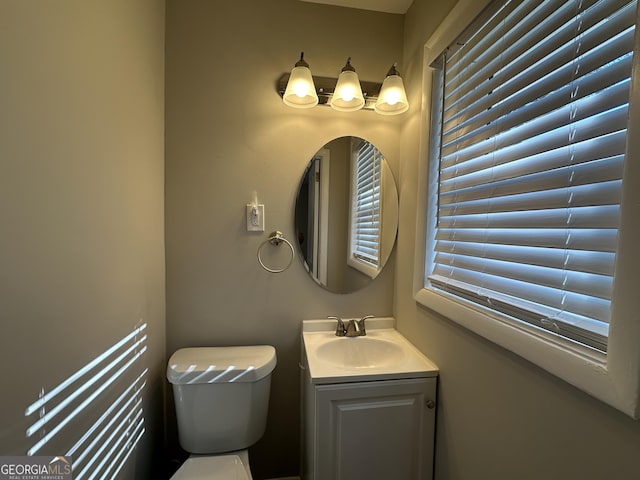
<point>363,267</point>
<point>580,366</point>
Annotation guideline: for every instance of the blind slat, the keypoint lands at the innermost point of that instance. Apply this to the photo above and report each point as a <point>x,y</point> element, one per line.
<point>602,193</point>
<point>579,217</point>
<point>601,240</point>
<point>574,260</point>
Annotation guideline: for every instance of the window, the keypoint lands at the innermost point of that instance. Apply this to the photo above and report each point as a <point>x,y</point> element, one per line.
<point>365,218</point>
<point>532,136</point>
<point>528,216</point>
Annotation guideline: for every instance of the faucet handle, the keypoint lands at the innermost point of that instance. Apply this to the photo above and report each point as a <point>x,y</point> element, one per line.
<point>341,329</point>
<point>361,324</point>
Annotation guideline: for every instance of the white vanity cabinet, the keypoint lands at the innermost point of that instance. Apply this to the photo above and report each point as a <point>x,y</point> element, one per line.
<point>373,430</point>
<point>368,404</point>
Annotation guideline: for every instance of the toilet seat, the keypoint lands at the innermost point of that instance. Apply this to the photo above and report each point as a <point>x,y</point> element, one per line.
<point>216,467</point>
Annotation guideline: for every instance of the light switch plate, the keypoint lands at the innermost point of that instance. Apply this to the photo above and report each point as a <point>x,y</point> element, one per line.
<point>255,220</point>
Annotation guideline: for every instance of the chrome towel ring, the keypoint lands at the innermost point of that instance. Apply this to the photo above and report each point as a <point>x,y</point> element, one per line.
<point>275,238</point>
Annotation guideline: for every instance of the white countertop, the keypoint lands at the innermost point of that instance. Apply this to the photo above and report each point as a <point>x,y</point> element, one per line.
<point>398,361</point>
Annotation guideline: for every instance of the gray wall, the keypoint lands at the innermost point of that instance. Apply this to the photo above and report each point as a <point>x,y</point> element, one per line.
<point>499,417</point>
<point>81,199</point>
<point>228,133</point>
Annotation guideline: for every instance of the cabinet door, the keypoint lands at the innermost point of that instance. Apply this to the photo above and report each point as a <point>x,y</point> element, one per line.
<point>375,430</point>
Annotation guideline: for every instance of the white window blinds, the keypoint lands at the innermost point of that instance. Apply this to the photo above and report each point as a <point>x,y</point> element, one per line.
<point>365,204</point>
<point>532,105</point>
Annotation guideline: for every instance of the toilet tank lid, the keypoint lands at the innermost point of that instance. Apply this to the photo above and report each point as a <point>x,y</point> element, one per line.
<point>221,364</point>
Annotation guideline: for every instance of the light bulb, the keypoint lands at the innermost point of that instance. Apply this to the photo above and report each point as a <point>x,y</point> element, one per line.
<point>348,94</point>
<point>392,97</point>
<point>301,89</point>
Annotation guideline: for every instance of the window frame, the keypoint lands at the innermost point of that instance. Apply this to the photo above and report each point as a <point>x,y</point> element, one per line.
<point>614,377</point>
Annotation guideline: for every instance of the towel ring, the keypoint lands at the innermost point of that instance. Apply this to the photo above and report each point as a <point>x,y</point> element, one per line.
<point>275,238</point>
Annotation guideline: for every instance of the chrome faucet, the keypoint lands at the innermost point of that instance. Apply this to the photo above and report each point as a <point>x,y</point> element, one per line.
<point>352,328</point>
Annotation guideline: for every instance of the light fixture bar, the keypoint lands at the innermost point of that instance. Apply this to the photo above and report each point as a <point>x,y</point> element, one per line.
<point>326,85</point>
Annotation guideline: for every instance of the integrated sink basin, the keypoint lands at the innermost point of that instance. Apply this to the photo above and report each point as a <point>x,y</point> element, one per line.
<point>360,352</point>
<point>380,355</point>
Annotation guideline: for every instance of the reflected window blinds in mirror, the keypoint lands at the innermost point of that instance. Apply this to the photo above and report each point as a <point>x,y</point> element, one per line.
<point>364,221</point>
<point>323,214</point>
<point>347,93</point>
<point>103,400</point>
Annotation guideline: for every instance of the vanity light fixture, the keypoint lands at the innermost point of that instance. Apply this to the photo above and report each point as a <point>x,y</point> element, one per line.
<point>300,91</point>
<point>347,96</point>
<point>393,98</point>
<point>347,93</point>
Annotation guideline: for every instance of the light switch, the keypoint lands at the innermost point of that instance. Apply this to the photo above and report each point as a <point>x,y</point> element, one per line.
<point>255,218</point>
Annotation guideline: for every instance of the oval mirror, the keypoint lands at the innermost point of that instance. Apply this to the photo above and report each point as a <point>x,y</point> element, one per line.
<point>346,214</point>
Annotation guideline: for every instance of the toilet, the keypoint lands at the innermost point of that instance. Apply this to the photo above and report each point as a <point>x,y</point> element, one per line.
<point>221,397</point>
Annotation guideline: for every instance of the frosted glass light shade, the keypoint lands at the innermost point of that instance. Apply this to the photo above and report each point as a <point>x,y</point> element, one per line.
<point>347,95</point>
<point>392,99</point>
<point>300,91</point>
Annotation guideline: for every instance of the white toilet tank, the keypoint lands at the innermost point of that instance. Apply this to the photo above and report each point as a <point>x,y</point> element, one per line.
<point>221,396</point>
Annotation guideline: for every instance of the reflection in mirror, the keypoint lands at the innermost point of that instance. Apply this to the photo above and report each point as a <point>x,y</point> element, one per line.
<point>346,214</point>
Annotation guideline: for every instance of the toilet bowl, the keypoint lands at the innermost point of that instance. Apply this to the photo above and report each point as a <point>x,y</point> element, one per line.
<point>221,397</point>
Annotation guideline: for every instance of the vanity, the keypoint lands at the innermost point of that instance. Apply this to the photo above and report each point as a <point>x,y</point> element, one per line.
<point>368,404</point>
